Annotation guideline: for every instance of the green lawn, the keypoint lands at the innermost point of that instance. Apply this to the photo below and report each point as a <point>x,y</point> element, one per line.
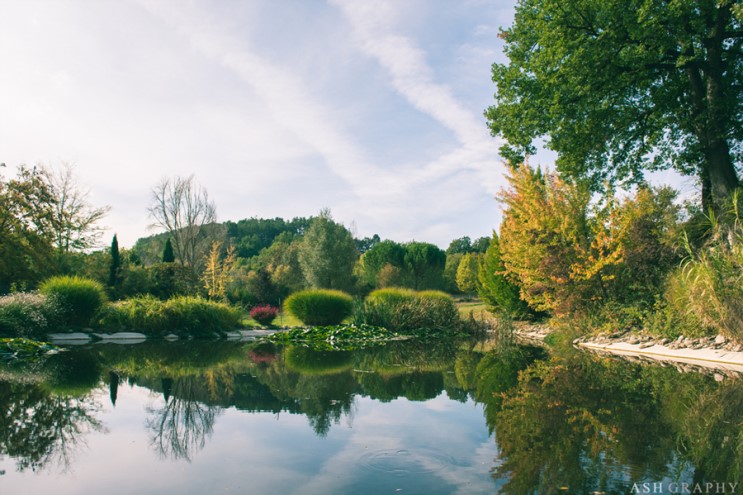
<point>477,307</point>
<point>283,320</point>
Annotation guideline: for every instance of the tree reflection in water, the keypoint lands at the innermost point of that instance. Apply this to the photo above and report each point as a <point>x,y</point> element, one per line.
<point>589,424</point>
<point>182,425</point>
<point>578,422</point>
<point>39,429</point>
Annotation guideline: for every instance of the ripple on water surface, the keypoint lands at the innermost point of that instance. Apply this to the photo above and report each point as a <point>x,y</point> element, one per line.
<point>403,462</point>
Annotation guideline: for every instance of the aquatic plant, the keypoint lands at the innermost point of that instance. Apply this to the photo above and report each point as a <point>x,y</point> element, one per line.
<point>20,348</point>
<point>337,337</point>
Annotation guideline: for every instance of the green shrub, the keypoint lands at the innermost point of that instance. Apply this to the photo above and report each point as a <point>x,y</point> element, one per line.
<point>180,315</point>
<point>24,314</point>
<point>79,298</point>
<point>320,306</point>
<point>392,295</point>
<point>406,311</point>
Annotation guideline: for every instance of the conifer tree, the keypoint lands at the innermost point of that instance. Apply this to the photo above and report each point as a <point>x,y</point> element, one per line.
<point>168,255</point>
<point>115,268</point>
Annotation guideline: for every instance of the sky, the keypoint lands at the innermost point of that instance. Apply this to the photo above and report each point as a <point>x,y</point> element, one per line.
<point>279,108</point>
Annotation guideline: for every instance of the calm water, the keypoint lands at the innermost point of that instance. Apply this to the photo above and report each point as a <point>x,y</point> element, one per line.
<point>202,418</point>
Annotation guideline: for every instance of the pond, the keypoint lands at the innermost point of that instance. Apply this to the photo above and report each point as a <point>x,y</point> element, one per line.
<point>467,417</point>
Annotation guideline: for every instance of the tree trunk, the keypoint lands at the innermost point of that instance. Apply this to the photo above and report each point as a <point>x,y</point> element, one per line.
<point>721,171</point>
<point>721,174</point>
<point>708,106</point>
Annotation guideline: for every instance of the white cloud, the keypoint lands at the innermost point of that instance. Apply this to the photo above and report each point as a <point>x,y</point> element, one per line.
<point>325,106</point>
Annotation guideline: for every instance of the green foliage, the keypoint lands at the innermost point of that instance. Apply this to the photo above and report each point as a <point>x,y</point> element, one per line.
<point>391,295</point>
<point>280,262</point>
<point>407,311</point>
<point>168,255</point>
<point>320,306</point>
<point>668,319</point>
<point>165,280</point>
<point>327,254</point>
<point>31,315</point>
<point>467,273</point>
<point>450,272</point>
<point>252,235</point>
<point>425,263</point>
<point>620,86</point>
<point>78,297</point>
<point>254,287</point>
<point>460,246</point>
<point>114,271</point>
<point>26,209</point>
<point>480,245</point>
<point>382,254</point>
<point>707,290</point>
<point>181,315</point>
<point>365,244</point>
<point>499,293</point>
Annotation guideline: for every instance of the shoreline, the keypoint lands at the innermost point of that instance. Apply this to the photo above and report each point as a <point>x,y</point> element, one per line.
<point>715,355</point>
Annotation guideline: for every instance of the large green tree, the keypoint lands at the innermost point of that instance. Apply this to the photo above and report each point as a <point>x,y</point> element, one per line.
<point>383,253</point>
<point>328,253</point>
<point>26,232</point>
<point>617,87</point>
<point>499,293</point>
<point>425,264</point>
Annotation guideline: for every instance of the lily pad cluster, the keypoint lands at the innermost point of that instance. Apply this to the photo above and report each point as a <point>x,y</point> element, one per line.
<point>24,349</point>
<point>337,337</point>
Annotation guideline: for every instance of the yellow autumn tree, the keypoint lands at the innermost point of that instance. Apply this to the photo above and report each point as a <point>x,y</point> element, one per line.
<point>217,270</point>
<point>568,251</point>
<point>550,246</point>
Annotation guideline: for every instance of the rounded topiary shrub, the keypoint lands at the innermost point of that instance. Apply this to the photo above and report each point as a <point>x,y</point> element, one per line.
<point>79,298</point>
<point>320,306</point>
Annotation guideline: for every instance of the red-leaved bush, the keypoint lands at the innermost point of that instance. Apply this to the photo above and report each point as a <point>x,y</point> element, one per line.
<point>264,313</point>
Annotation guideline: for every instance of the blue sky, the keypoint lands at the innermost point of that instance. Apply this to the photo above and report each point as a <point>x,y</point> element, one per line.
<point>373,109</point>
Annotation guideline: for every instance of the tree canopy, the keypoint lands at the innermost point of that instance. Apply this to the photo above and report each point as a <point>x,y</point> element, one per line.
<point>617,87</point>
<point>328,253</point>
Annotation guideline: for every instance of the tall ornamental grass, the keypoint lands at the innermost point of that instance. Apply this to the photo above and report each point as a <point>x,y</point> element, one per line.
<point>407,311</point>
<point>79,298</point>
<point>320,306</point>
<point>182,315</point>
<point>708,289</point>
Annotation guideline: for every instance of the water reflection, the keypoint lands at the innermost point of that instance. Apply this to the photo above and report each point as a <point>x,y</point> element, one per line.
<point>576,423</point>
<point>181,427</point>
<point>39,428</point>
